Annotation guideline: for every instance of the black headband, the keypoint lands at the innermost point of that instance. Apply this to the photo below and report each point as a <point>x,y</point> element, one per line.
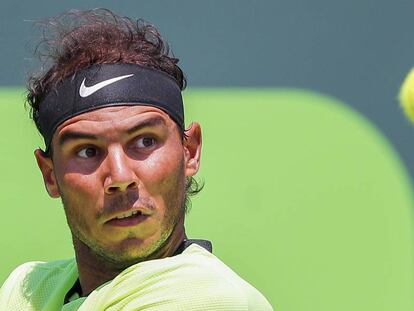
<point>105,85</point>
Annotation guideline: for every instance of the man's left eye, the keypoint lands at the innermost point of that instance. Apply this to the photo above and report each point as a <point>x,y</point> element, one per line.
<point>145,142</point>
<point>88,152</point>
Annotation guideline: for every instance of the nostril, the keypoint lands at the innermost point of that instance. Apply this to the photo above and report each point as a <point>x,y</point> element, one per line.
<point>121,187</point>
<point>111,190</point>
<point>132,185</point>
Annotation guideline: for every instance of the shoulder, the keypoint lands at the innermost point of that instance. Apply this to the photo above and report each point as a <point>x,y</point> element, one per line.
<point>30,281</point>
<point>226,281</point>
<point>193,280</point>
<point>37,270</point>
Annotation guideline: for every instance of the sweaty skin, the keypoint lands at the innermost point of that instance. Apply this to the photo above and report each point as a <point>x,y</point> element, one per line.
<point>121,173</point>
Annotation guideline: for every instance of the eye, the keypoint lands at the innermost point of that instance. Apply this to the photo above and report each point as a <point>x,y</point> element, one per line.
<point>87,152</point>
<point>145,142</point>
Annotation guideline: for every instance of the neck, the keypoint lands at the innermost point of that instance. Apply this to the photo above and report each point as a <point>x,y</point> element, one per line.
<point>94,270</point>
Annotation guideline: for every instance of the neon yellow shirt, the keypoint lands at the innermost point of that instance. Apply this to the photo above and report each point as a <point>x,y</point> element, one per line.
<point>193,280</point>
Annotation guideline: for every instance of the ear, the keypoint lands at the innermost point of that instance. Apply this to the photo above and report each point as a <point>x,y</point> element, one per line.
<point>192,149</point>
<point>46,167</point>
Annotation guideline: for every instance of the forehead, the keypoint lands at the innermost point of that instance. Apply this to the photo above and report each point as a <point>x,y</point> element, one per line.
<point>117,118</point>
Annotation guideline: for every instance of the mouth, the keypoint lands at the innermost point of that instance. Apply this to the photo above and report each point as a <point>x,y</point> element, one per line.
<point>128,214</point>
<point>128,218</point>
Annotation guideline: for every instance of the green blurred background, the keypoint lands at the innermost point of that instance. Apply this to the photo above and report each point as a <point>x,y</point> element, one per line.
<point>303,197</point>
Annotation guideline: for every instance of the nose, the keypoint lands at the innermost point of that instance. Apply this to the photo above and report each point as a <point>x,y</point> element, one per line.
<point>120,175</point>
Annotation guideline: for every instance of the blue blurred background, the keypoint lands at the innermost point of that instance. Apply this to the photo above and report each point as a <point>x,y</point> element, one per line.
<point>357,51</point>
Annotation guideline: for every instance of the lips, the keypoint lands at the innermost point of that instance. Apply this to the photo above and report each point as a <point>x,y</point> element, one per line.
<point>128,218</point>
<point>128,214</point>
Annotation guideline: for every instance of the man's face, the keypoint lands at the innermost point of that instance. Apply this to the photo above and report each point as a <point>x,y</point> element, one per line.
<point>121,174</point>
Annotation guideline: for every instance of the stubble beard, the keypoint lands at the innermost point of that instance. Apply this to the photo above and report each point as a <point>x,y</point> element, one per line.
<point>175,212</point>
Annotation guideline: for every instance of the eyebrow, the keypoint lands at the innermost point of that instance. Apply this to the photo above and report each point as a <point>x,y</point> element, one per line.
<point>147,123</point>
<point>79,135</point>
<point>73,136</point>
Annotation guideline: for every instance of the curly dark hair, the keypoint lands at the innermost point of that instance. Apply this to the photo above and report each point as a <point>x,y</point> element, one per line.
<point>77,39</point>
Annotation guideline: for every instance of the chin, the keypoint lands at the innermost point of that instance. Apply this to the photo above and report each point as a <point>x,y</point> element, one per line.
<point>133,250</point>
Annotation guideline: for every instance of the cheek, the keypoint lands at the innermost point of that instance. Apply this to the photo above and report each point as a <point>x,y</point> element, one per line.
<point>164,162</point>
<point>79,183</point>
<point>163,173</point>
<point>80,191</point>
<point>82,203</point>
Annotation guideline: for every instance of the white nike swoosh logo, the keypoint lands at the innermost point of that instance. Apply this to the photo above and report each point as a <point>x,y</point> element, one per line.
<point>85,91</point>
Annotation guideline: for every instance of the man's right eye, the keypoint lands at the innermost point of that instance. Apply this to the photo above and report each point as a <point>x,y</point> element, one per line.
<point>87,152</point>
